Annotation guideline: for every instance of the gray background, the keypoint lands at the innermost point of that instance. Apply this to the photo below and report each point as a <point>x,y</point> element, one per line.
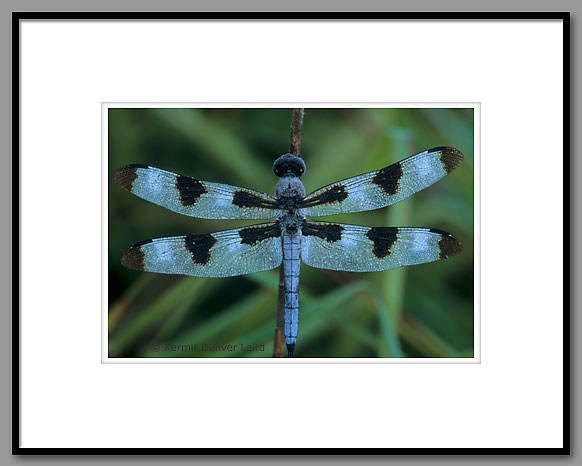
<point>7,6</point>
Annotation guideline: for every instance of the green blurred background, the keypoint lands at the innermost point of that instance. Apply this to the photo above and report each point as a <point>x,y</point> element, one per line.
<point>419,311</point>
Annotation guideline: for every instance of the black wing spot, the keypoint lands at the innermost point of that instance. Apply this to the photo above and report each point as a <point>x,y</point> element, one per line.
<point>334,194</point>
<point>449,246</point>
<point>388,178</point>
<point>247,200</point>
<point>330,232</point>
<point>134,257</point>
<point>189,189</point>
<point>451,158</point>
<point>127,175</point>
<point>199,246</point>
<point>383,240</point>
<point>252,235</point>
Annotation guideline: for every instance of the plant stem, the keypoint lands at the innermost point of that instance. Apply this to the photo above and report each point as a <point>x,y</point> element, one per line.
<point>296,127</point>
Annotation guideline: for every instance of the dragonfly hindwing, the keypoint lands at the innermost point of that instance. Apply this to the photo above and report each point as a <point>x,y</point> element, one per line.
<point>221,254</point>
<point>356,248</point>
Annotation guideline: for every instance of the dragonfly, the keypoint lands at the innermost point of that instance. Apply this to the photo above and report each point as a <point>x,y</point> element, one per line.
<point>290,237</point>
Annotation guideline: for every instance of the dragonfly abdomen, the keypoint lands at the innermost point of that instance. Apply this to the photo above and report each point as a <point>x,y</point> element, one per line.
<point>291,264</point>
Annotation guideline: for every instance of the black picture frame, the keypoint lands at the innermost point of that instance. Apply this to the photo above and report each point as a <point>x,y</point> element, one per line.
<point>373,16</point>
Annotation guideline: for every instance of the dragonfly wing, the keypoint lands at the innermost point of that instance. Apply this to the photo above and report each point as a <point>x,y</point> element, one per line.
<point>355,248</point>
<point>221,254</point>
<point>383,187</point>
<point>195,198</point>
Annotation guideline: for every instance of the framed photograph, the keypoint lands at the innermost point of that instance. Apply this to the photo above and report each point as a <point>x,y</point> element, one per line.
<point>232,313</point>
<point>350,236</point>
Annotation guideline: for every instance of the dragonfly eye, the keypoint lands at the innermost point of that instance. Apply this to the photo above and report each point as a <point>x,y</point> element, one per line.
<point>289,165</point>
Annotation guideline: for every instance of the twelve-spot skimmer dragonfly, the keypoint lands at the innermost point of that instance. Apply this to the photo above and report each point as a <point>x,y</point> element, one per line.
<point>291,237</point>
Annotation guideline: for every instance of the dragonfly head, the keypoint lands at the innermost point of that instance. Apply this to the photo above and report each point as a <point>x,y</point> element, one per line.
<point>289,165</point>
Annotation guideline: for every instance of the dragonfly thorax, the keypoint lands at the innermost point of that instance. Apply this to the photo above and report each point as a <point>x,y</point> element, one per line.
<point>289,203</point>
<point>290,223</point>
<point>289,190</point>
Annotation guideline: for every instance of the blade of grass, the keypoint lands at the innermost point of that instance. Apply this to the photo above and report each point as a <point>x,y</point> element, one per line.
<point>153,314</point>
<point>268,280</point>
<point>120,308</point>
<point>394,281</point>
<point>227,150</point>
<point>357,333</point>
<point>170,325</point>
<point>424,340</point>
<point>215,327</point>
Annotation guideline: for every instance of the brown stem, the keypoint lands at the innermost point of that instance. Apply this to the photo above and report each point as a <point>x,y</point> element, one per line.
<point>279,345</point>
<point>296,127</point>
<point>294,145</point>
